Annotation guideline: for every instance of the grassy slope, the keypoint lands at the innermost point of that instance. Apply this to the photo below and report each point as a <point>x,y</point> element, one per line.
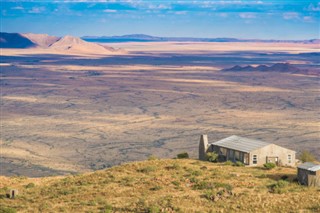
<point>167,185</point>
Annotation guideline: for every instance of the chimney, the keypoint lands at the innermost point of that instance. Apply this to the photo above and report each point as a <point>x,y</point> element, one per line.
<point>203,147</point>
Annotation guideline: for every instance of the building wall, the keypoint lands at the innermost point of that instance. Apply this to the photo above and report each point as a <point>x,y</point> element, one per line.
<point>273,150</point>
<point>230,154</point>
<point>303,176</point>
<point>309,178</point>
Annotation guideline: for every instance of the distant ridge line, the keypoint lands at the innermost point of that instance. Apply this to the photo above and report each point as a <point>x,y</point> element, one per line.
<point>149,38</point>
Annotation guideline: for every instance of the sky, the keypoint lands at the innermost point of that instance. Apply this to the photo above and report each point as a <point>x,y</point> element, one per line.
<point>261,19</point>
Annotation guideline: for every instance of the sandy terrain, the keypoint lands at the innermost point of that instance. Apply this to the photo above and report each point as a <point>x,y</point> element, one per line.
<point>72,112</point>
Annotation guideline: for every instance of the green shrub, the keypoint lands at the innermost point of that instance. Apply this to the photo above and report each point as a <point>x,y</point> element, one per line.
<point>7,210</point>
<point>174,166</point>
<point>30,185</point>
<point>279,187</point>
<point>154,209</point>
<point>147,169</point>
<point>156,188</point>
<point>307,156</point>
<point>108,208</point>
<point>229,163</point>
<point>152,157</point>
<point>269,165</point>
<point>196,173</point>
<point>176,183</point>
<point>223,185</point>
<point>238,163</point>
<point>212,157</point>
<point>183,155</point>
<point>203,185</point>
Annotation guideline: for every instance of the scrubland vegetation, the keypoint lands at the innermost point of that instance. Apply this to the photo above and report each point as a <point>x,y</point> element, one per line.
<point>177,185</point>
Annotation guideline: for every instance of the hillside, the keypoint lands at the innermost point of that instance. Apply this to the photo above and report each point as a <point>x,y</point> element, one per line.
<point>42,40</point>
<point>76,44</point>
<point>164,186</point>
<point>15,40</point>
<point>64,44</point>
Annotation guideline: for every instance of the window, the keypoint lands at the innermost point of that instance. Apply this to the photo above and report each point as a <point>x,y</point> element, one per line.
<point>223,151</point>
<point>254,159</point>
<point>289,158</point>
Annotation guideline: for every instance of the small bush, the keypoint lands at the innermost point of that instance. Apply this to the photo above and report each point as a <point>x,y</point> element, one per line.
<point>223,185</point>
<point>238,163</point>
<point>7,210</point>
<point>156,188</point>
<point>175,166</point>
<point>212,157</point>
<point>154,209</point>
<point>307,156</point>
<point>196,173</point>
<point>176,183</point>
<point>183,155</point>
<point>30,185</point>
<point>279,187</point>
<point>203,185</point>
<point>108,208</point>
<point>152,157</point>
<point>147,169</point>
<point>269,165</point>
<point>229,163</point>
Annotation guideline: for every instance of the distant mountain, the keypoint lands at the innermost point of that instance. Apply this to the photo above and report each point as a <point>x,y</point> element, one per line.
<point>42,40</point>
<point>148,38</point>
<point>66,43</point>
<point>279,67</point>
<point>15,40</point>
<point>76,44</point>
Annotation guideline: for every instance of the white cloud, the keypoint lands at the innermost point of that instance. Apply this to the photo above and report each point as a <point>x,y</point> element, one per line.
<point>160,6</point>
<point>37,10</point>
<point>109,11</point>
<point>222,15</point>
<point>290,15</point>
<point>307,19</point>
<point>247,15</point>
<point>180,12</point>
<point>17,8</point>
<point>313,7</point>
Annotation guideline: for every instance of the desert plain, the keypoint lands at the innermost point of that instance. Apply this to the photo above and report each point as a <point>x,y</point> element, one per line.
<point>69,112</point>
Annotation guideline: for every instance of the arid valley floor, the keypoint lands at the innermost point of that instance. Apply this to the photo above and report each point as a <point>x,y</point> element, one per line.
<point>70,112</point>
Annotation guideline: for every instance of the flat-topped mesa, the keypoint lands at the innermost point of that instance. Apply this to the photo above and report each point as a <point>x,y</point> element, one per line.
<point>278,67</point>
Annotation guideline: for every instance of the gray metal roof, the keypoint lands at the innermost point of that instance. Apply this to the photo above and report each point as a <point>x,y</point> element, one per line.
<point>309,166</point>
<point>241,144</point>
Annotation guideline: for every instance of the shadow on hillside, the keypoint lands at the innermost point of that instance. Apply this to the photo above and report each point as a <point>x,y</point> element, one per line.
<point>173,59</point>
<point>282,176</point>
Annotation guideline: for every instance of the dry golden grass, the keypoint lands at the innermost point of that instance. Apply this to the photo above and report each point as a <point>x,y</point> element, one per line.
<point>165,186</point>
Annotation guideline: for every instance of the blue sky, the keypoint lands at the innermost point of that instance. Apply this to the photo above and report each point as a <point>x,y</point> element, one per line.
<point>264,19</point>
